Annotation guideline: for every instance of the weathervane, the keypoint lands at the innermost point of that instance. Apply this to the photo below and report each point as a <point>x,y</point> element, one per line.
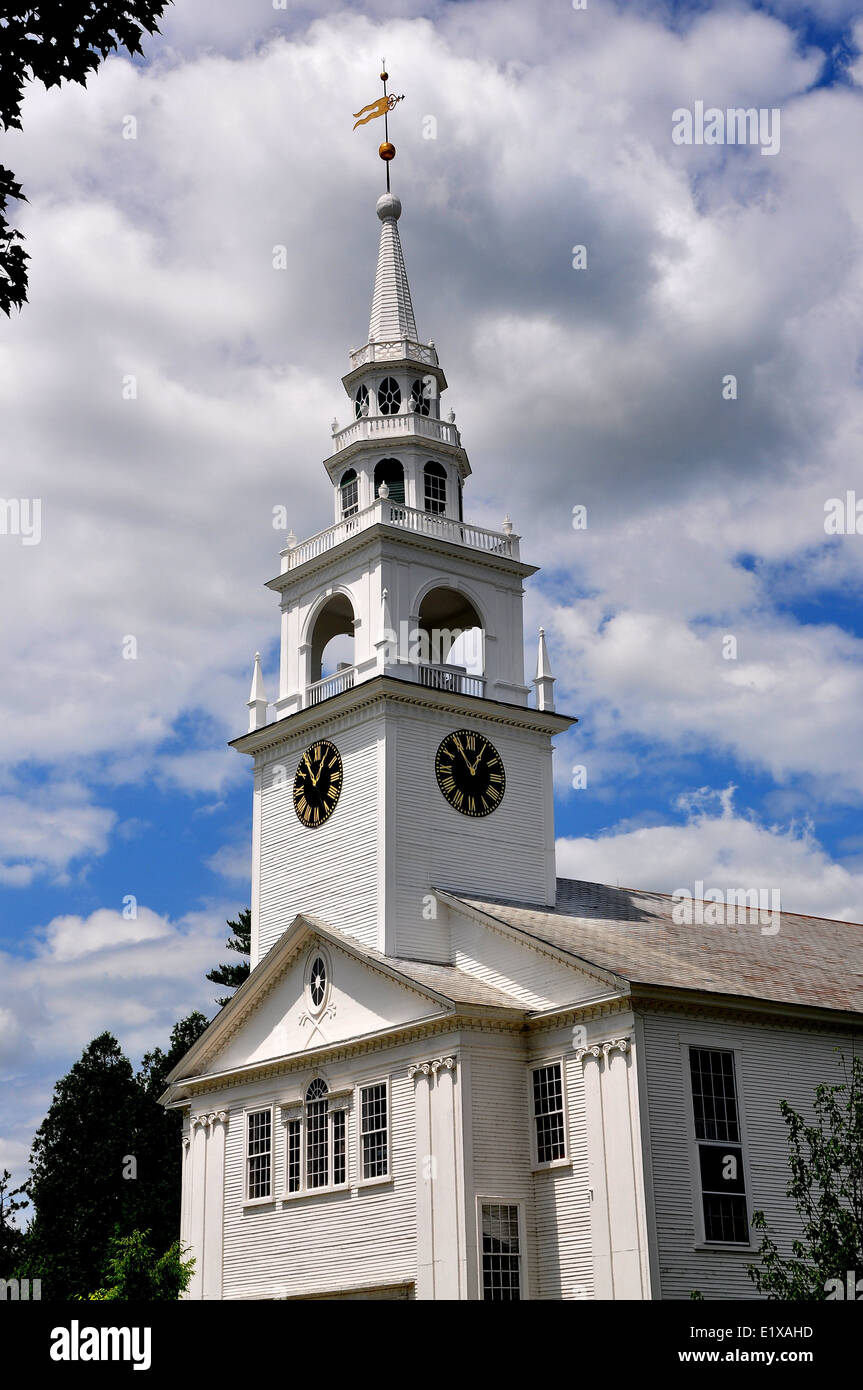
<point>382,107</point>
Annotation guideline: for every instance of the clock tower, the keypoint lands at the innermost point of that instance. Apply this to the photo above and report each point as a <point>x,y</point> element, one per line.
<point>402,753</point>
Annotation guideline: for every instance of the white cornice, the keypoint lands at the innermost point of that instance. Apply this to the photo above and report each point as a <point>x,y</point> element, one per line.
<point>382,690</point>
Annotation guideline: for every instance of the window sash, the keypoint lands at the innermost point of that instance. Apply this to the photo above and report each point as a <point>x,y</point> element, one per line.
<point>316,1148</point>
<point>259,1154</point>
<point>716,1122</point>
<point>374,1131</point>
<point>435,493</point>
<point>548,1113</point>
<point>501,1252</point>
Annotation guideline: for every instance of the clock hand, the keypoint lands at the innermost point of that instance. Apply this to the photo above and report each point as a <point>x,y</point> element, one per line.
<point>457,743</point>
<point>309,766</point>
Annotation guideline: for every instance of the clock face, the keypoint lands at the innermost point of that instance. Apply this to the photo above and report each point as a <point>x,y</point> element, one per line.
<point>470,773</point>
<point>318,784</point>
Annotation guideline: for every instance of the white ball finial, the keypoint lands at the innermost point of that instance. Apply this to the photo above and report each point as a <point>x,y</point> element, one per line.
<point>388,205</point>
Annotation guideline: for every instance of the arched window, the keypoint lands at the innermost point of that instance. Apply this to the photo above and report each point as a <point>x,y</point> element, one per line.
<point>317,1135</point>
<point>361,401</point>
<point>389,396</point>
<point>318,1127</point>
<point>391,472</point>
<point>421,396</point>
<point>435,487</point>
<point>349,488</point>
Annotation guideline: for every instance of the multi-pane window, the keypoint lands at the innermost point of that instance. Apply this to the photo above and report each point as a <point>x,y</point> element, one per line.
<point>389,396</point>
<point>501,1256</point>
<point>374,1134</point>
<point>720,1151</point>
<point>548,1113</point>
<point>317,1154</point>
<point>361,402</point>
<point>317,1135</point>
<point>435,487</point>
<point>294,1140</point>
<point>259,1154</point>
<point>350,493</point>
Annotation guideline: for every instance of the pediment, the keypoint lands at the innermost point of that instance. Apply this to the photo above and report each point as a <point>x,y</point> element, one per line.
<point>274,1015</point>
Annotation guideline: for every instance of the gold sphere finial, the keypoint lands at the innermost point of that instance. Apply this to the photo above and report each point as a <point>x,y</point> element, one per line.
<point>387,150</point>
<point>384,75</point>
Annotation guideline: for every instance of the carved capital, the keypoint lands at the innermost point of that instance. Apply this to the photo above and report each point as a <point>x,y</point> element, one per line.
<point>432,1067</point>
<point>208,1118</point>
<point>603,1049</point>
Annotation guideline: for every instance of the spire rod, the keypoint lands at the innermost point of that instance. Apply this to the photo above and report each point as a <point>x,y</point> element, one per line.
<point>382,107</point>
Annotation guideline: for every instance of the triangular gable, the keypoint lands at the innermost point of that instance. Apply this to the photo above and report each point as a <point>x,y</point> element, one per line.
<point>270,1017</point>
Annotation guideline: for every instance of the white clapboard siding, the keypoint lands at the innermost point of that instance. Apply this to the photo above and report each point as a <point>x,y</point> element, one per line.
<point>331,871</point>
<point>503,854</point>
<point>499,1132</point>
<point>563,1232</point>
<point>319,1244</point>
<point>774,1063</point>
<point>537,979</point>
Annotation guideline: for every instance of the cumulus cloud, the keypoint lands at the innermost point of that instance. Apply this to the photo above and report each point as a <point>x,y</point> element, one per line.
<point>722,848</point>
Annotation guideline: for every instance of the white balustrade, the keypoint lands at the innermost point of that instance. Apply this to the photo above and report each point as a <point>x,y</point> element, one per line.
<point>331,685</point>
<point>385,426</point>
<point>452,678</point>
<point>405,518</point>
<point>395,350</point>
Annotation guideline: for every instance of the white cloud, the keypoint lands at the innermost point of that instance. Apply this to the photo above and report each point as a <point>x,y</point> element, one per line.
<point>232,861</point>
<point>45,829</point>
<point>723,849</point>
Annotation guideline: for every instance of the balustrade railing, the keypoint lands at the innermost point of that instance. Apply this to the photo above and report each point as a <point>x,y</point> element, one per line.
<point>406,518</point>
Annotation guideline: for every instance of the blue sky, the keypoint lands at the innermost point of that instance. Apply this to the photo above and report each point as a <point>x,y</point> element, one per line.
<point>153,257</point>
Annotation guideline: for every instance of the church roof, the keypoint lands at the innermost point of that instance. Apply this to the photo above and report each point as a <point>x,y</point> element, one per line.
<point>392,311</point>
<point>810,961</point>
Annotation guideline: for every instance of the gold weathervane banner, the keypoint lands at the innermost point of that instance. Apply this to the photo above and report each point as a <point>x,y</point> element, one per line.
<point>376,108</point>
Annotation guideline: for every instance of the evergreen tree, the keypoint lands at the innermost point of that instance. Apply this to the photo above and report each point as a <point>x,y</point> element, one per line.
<point>106,1164</point>
<point>11,1236</point>
<point>234,975</point>
<point>826,1161</point>
<point>78,1158</point>
<point>53,44</point>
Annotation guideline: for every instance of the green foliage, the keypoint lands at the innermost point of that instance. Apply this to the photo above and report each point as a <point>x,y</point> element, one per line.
<point>84,1188</point>
<point>11,1236</point>
<point>234,975</point>
<point>135,1273</point>
<point>54,43</point>
<point>826,1186</point>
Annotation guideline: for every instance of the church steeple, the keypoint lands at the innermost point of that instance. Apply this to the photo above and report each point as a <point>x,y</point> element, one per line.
<point>404,754</point>
<point>392,310</point>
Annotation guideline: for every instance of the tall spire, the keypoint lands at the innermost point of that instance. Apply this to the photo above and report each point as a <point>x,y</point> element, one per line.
<point>392,310</point>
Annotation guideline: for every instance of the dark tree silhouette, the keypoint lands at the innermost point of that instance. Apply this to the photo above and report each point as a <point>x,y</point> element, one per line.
<point>234,975</point>
<point>53,43</point>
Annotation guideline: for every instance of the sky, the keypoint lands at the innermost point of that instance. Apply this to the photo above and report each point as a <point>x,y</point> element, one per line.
<point>166,388</point>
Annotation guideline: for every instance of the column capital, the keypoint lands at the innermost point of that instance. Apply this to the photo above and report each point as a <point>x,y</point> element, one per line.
<point>432,1067</point>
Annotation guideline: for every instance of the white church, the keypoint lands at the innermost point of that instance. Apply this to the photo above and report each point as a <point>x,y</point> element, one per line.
<point>451,1075</point>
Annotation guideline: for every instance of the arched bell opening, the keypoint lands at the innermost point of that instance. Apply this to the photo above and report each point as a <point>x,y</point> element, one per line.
<point>332,645</point>
<point>391,472</point>
<point>451,631</point>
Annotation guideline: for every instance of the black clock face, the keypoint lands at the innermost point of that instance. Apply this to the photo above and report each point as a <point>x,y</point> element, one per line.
<point>318,784</point>
<point>470,773</point>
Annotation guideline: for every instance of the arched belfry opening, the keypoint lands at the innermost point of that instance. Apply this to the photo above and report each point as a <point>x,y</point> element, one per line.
<point>332,643</point>
<point>451,630</point>
<point>391,472</point>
